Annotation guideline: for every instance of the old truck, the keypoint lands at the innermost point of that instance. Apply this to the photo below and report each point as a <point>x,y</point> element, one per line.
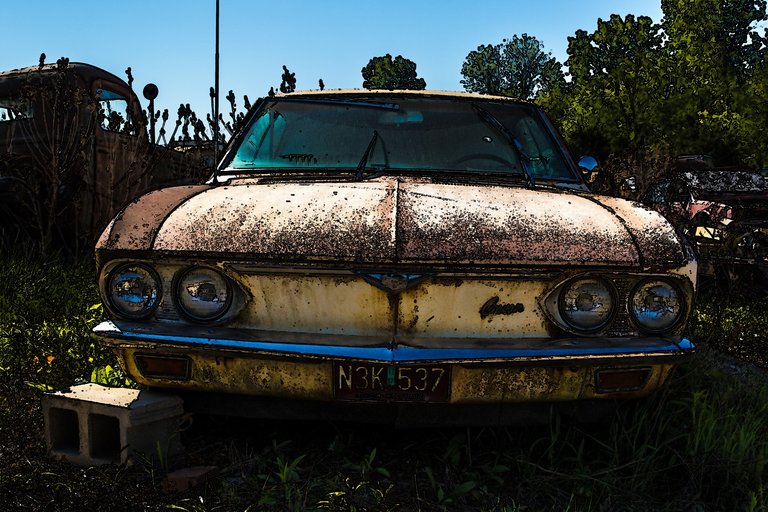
<point>74,149</point>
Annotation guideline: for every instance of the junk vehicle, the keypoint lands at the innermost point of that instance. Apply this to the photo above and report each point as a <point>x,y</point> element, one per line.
<point>409,257</point>
<point>74,150</point>
<point>724,212</point>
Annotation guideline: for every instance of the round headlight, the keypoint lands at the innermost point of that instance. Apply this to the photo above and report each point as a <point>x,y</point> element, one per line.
<point>203,294</point>
<point>588,304</point>
<point>133,290</point>
<point>656,305</point>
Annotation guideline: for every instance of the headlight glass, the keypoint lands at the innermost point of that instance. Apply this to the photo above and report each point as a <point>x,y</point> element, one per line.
<point>656,305</point>
<point>587,304</point>
<point>203,294</point>
<point>133,290</point>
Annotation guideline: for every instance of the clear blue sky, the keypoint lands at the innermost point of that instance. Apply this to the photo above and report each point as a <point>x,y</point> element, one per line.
<point>171,42</point>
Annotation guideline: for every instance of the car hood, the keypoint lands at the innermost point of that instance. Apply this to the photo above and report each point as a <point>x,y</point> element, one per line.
<point>395,221</point>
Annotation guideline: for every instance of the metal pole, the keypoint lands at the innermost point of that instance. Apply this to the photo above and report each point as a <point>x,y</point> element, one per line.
<point>152,120</point>
<point>216,98</point>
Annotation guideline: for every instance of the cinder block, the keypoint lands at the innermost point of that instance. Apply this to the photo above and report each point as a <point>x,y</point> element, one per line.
<point>92,424</point>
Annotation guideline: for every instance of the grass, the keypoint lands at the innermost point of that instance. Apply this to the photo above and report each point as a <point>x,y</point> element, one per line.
<point>700,444</point>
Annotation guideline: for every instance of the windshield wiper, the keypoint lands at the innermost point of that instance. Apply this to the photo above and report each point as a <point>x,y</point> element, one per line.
<point>497,125</point>
<point>360,169</point>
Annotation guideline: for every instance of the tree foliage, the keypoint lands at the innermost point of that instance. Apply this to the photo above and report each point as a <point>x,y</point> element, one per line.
<point>715,53</point>
<point>517,67</point>
<point>388,73</point>
<point>692,83</point>
<point>616,86</point>
<point>715,36</point>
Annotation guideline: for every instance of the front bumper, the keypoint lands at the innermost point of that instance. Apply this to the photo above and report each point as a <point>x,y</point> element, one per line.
<point>481,371</point>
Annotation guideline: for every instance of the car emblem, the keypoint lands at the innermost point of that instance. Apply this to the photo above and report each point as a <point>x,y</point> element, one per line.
<point>394,282</point>
<point>494,306</point>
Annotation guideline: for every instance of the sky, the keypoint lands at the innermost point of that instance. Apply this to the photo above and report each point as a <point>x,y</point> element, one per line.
<point>171,42</point>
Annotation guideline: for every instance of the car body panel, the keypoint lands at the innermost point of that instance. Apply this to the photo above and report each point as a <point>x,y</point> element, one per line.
<point>395,221</point>
<point>136,226</point>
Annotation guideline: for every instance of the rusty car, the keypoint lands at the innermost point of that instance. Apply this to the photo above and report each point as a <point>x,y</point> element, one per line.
<point>414,257</point>
<point>724,213</point>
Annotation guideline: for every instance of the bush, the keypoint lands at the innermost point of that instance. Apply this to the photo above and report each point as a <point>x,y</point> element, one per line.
<point>47,309</point>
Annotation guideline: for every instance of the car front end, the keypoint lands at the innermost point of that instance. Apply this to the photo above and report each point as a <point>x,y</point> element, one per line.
<point>400,286</point>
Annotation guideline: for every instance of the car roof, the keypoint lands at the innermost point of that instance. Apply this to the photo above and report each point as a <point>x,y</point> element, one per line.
<point>725,180</point>
<point>400,93</point>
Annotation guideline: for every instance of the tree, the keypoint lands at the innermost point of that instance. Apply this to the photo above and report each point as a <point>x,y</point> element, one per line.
<point>716,35</point>
<point>386,73</point>
<point>482,70</point>
<point>644,92</point>
<point>517,67</point>
<point>753,146</point>
<point>716,52</point>
<point>617,89</point>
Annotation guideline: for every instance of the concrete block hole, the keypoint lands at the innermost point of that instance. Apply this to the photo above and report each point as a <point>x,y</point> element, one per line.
<point>65,430</point>
<point>104,436</point>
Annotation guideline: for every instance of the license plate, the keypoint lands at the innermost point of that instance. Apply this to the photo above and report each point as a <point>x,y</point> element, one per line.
<point>372,382</point>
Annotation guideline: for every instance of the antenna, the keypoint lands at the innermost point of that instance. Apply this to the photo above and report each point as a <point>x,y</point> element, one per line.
<point>216,101</point>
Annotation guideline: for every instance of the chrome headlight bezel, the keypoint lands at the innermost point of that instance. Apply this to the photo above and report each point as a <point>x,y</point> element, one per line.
<point>562,306</point>
<point>680,315</point>
<point>181,296</point>
<point>114,305</point>
<point>624,285</point>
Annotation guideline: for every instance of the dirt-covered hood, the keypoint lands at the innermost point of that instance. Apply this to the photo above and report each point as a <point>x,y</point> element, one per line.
<point>394,221</point>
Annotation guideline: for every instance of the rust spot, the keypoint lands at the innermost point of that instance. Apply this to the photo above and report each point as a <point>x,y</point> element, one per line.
<point>440,224</point>
<point>399,222</point>
<point>135,227</point>
<point>317,223</point>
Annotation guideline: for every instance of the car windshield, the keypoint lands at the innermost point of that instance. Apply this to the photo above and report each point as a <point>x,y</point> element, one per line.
<point>376,134</point>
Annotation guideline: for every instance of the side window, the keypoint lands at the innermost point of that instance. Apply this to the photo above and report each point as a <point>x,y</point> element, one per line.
<point>115,113</point>
<point>261,144</point>
<point>14,109</point>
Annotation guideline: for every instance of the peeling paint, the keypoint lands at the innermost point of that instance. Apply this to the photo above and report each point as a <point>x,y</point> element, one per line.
<point>383,221</point>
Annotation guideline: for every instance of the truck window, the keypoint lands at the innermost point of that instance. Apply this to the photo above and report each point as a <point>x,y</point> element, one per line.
<point>14,109</point>
<point>115,113</point>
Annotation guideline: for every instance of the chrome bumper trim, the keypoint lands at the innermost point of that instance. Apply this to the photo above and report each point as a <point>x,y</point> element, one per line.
<point>585,349</point>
